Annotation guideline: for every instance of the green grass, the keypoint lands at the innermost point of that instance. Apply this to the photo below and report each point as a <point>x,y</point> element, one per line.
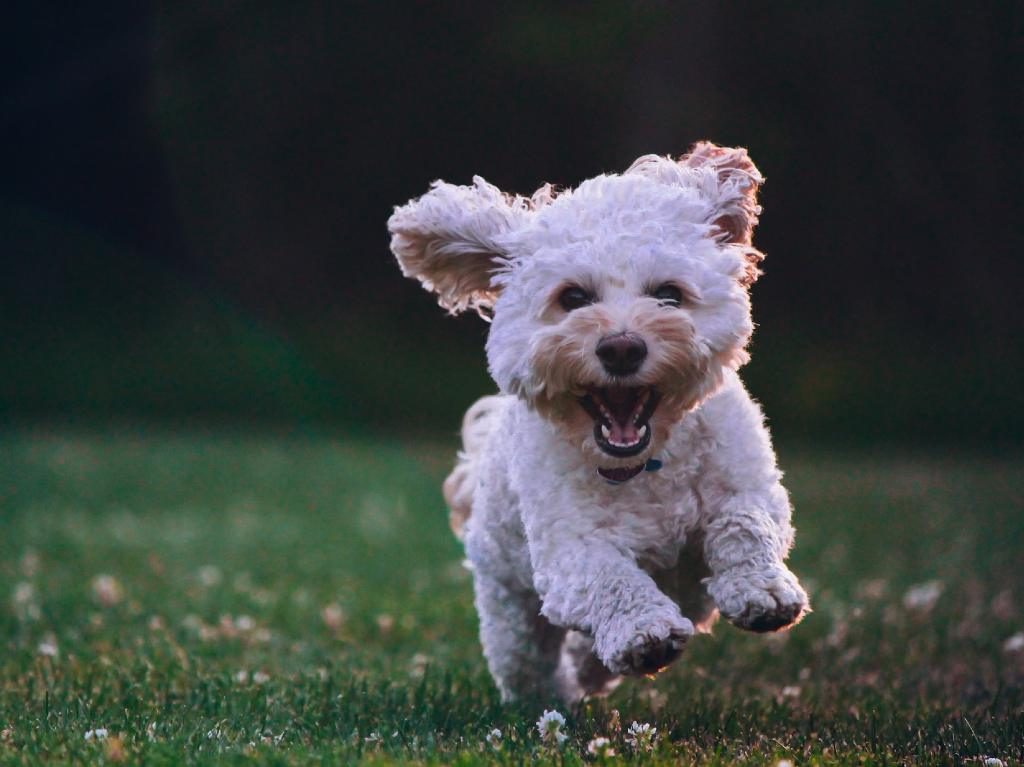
<point>299,600</point>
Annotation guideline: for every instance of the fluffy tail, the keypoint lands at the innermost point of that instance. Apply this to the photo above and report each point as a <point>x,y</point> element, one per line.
<point>477,425</point>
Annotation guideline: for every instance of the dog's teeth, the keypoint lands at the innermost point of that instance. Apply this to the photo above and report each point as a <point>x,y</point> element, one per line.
<point>606,432</point>
<point>641,432</point>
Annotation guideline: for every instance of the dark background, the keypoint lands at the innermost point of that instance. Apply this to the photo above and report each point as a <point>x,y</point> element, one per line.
<point>194,196</point>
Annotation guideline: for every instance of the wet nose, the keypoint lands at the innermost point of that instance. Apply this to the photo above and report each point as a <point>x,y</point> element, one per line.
<point>621,354</point>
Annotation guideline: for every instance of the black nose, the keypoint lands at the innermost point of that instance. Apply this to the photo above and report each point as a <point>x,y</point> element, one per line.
<point>621,354</point>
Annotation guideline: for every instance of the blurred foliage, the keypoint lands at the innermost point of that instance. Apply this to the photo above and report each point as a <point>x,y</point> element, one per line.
<point>195,195</point>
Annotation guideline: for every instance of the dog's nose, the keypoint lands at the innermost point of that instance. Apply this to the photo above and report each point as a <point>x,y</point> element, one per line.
<point>621,354</point>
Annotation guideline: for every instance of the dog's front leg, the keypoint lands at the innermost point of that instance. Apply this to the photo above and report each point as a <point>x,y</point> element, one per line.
<point>746,519</point>
<point>745,545</point>
<point>590,584</point>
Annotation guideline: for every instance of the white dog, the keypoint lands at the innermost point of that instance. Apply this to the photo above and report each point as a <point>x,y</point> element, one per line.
<point>622,489</point>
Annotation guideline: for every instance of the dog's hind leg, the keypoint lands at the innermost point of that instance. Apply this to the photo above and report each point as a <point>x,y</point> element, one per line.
<point>459,487</point>
<point>521,646</point>
<point>580,673</point>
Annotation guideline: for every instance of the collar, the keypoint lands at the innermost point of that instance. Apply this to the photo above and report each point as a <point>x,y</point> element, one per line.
<point>653,464</point>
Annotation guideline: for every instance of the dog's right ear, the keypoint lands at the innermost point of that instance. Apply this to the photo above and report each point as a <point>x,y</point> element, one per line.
<point>451,240</point>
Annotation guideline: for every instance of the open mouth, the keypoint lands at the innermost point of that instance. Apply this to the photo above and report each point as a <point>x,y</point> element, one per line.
<point>621,415</point>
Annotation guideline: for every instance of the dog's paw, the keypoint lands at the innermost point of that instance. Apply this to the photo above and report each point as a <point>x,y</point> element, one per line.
<point>649,649</point>
<point>768,599</point>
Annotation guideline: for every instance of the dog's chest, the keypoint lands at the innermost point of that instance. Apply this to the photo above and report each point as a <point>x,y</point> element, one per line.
<point>654,518</point>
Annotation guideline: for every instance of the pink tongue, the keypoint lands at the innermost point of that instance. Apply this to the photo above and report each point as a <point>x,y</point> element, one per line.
<point>624,434</point>
<point>620,403</point>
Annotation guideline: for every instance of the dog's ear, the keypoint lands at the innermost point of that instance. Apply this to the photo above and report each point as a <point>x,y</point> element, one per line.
<point>451,240</point>
<point>738,179</point>
<point>728,181</point>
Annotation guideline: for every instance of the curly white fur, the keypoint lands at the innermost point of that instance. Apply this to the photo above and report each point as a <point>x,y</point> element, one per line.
<point>577,580</point>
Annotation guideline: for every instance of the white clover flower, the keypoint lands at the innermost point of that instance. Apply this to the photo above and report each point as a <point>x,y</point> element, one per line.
<point>418,665</point>
<point>991,761</point>
<point>550,727</point>
<point>24,600</point>
<point>494,739</point>
<point>245,623</point>
<point>784,763</point>
<point>600,747</point>
<point>1014,643</point>
<point>922,597</point>
<point>24,593</point>
<point>210,575</point>
<point>333,616</point>
<point>48,646</point>
<point>100,733</point>
<point>106,590</point>
<point>641,737</point>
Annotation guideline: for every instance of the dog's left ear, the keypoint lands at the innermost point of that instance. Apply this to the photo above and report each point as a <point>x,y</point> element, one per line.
<point>450,239</point>
<point>735,199</point>
<point>727,179</point>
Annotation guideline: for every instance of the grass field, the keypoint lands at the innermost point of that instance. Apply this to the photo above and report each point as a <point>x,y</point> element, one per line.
<point>219,598</point>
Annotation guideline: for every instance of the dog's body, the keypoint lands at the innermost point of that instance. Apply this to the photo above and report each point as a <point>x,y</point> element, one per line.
<point>621,314</point>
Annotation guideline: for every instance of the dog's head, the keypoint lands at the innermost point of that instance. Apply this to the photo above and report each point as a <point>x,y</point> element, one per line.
<point>617,306</point>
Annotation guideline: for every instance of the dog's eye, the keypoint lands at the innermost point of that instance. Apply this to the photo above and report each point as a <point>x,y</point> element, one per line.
<point>668,294</point>
<point>574,297</point>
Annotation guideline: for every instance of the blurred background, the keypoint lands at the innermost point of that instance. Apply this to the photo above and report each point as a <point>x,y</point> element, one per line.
<point>225,415</point>
<point>194,196</point>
